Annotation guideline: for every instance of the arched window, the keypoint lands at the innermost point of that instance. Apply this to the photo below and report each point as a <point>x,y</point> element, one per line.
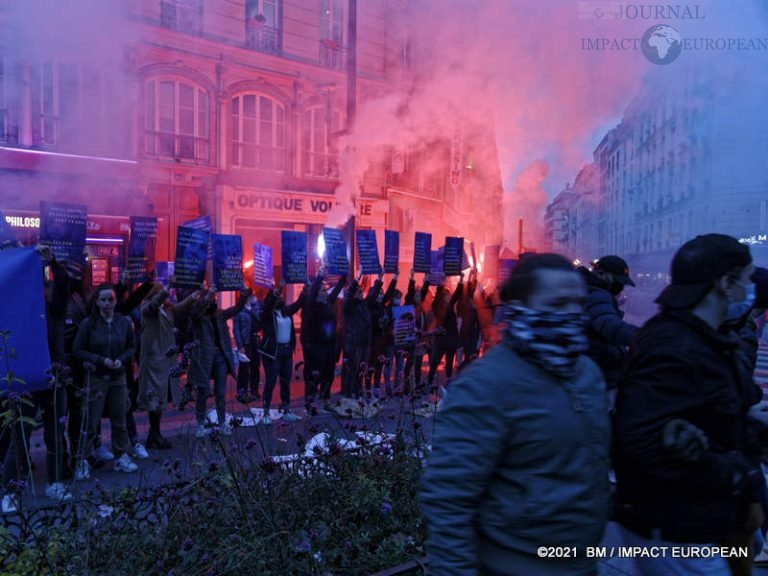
<point>258,132</point>
<point>10,88</point>
<point>318,158</point>
<point>75,107</point>
<point>176,120</point>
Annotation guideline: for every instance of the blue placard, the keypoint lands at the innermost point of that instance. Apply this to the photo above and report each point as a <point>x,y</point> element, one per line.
<point>404,325</point>
<point>23,315</point>
<point>191,257</point>
<point>7,236</point>
<point>452,261</point>
<point>163,272</point>
<point>436,273</point>
<point>506,265</point>
<point>368,251</point>
<point>391,251</point>
<point>263,270</point>
<point>63,229</point>
<point>141,248</point>
<point>293,251</point>
<point>335,252</point>
<point>202,223</point>
<point>422,250</point>
<point>227,262</point>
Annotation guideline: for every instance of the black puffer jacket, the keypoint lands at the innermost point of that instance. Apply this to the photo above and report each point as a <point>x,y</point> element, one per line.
<point>608,334</point>
<point>679,367</point>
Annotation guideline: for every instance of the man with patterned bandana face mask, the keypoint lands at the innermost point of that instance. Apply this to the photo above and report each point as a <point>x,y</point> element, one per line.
<point>520,457</point>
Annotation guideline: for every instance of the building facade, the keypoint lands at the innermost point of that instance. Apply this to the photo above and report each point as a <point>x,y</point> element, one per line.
<point>687,159</point>
<point>243,110</point>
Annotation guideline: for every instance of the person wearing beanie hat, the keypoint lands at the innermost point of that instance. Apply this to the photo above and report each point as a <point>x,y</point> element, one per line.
<point>684,463</point>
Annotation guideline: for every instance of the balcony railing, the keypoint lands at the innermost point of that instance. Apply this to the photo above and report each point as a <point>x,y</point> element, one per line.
<point>332,55</point>
<point>177,146</point>
<point>263,38</point>
<point>320,165</point>
<point>246,155</point>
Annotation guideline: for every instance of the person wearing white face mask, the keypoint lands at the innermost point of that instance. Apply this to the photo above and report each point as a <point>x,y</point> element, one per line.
<point>520,446</point>
<point>685,455</point>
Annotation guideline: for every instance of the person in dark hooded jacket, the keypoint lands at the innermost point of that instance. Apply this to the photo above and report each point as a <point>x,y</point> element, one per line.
<point>608,334</point>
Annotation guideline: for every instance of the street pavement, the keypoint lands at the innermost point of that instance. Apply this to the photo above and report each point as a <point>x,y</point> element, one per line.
<point>279,439</point>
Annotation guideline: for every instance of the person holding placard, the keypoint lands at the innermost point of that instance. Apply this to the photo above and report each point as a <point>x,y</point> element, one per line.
<point>277,348</point>
<point>446,338</point>
<point>319,339</point>
<point>357,334</point>
<point>211,357</point>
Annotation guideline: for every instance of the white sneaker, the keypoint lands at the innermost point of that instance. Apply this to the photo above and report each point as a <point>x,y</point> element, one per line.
<point>56,491</point>
<point>125,464</point>
<point>82,470</point>
<point>202,431</point>
<point>289,416</point>
<point>225,430</point>
<point>266,420</point>
<point>10,504</point>
<point>140,452</point>
<point>103,454</point>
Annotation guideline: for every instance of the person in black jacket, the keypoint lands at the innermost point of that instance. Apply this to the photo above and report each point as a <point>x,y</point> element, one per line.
<point>446,338</point>
<point>357,334</point>
<point>277,348</point>
<point>318,331</point>
<point>608,334</point>
<point>105,343</point>
<point>415,354</point>
<point>687,470</point>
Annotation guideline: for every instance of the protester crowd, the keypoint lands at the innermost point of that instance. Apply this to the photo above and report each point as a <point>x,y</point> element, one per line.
<point>556,414</point>
<point>126,347</point>
<point>578,417</point>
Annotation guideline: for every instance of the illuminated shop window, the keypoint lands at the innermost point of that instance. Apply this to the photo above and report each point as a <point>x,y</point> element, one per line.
<point>176,118</point>
<point>258,132</point>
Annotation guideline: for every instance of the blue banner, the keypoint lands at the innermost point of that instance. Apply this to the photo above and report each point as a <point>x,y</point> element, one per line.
<point>141,248</point>
<point>452,261</point>
<point>367,251</point>
<point>191,257</point>
<point>227,262</point>
<point>23,315</point>
<point>335,252</point>
<point>391,251</point>
<point>422,250</point>
<point>62,228</point>
<point>293,252</point>
<point>263,270</point>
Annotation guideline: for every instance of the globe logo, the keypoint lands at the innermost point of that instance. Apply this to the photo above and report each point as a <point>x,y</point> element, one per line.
<point>661,44</point>
<point>599,12</point>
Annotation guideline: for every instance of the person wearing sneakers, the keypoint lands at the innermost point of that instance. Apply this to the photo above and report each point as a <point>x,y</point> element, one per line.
<point>211,357</point>
<point>277,349</point>
<point>104,342</point>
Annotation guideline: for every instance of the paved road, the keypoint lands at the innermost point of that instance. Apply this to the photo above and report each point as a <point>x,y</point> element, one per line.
<point>278,439</point>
